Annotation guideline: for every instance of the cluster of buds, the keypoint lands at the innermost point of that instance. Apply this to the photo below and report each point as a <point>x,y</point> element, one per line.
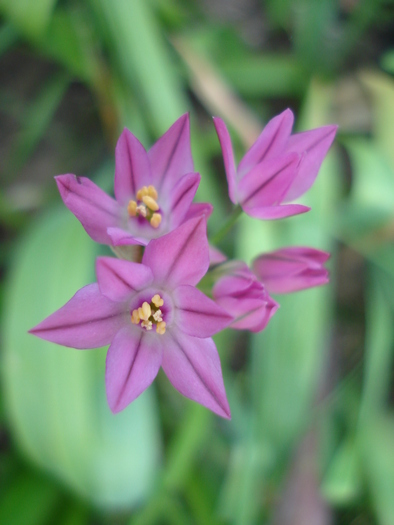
<point>131,297</point>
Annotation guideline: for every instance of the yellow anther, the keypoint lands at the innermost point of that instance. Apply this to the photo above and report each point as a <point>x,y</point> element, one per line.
<point>152,192</point>
<point>135,317</point>
<point>147,325</point>
<point>151,203</point>
<point>132,208</point>
<point>157,316</point>
<point>161,328</point>
<point>142,192</point>
<point>144,311</point>
<point>157,300</point>
<point>155,220</point>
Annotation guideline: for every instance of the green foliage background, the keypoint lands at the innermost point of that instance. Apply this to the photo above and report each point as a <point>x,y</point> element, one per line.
<point>311,440</point>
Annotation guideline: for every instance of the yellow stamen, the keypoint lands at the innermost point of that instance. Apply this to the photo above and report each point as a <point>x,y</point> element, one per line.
<point>155,220</point>
<point>144,311</point>
<point>151,203</point>
<point>142,192</point>
<point>157,300</point>
<point>132,208</point>
<point>161,328</point>
<point>135,318</point>
<point>147,325</point>
<point>152,192</point>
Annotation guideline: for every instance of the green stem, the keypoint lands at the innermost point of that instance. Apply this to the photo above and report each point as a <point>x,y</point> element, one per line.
<point>236,213</point>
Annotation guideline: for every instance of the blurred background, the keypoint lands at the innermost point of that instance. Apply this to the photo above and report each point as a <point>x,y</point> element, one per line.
<point>311,441</point>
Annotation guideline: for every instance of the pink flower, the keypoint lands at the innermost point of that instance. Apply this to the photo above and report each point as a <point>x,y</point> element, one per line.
<point>277,169</point>
<point>152,315</point>
<point>153,190</point>
<point>242,296</point>
<point>292,269</point>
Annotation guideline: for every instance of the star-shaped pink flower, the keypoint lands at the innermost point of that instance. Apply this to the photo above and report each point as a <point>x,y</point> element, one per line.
<point>152,315</point>
<point>277,169</point>
<point>154,190</point>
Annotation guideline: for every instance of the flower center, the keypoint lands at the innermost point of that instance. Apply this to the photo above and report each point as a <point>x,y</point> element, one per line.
<point>150,314</point>
<point>146,206</point>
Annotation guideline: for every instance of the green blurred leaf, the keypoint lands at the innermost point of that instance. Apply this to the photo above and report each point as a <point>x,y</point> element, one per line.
<point>265,75</point>
<point>376,448</point>
<point>36,120</point>
<point>140,51</point>
<point>55,396</point>
<point>29,500</point>
<point>342,483</point>
<point>31,18</point>
<point>8,37</point>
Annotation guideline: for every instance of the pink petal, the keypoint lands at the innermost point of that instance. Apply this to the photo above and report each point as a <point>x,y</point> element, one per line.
<point>90,204</point>
<point>170,157</point>
<point>196,314</point>
<point>181,256</point>
<point>120,237</point>
<point>228,157</point>
<point>133,360</point>
<point>132,169</point>
<point>88,320</point>
<point>313,145</point>
<point>276,212</point>
<point>267,183</point>
<point>119,279</point>
<point>292,269</point>
<point>216,256</point>
<point>270,143</point>
<point>182,196</point>
<point>193,367</point>
<point>199,209</point>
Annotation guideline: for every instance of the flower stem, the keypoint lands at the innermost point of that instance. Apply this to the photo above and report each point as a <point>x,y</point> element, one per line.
<point>236,213</point>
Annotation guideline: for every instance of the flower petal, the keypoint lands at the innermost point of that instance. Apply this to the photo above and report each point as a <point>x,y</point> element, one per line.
<point>170,157</point>
<point>132,169</point>
<point>181,256</point>
<point>133,360</point>
<point>182,196</point>
<point>196,314</point>
<point>87,320</point>
<point>228,157</point>
<point>270,143</point>
<point>199,209</point>
<point>193,367</point>
<point>216,256</point>
<point>118,279</point>
<point>90,204</point>
<point>276,212</point>
<point>120,237</point>
<point>292,269</point>
<point>313,145</point>
<point>267,183</point>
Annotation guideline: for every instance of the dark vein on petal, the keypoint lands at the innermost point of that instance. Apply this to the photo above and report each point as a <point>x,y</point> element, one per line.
<point>130,157</point>
<point>179,255</point>
<point>80,323</point>
<point>199,375</point>
<point>181,197</point>
<point>130,370</point>
<point>269,144</point>
<point>172,154</point>
<point>318,141</point>
<point>204,313</point>
<point>120,278</point>
<point>90,201</point>
<point>265,183</point>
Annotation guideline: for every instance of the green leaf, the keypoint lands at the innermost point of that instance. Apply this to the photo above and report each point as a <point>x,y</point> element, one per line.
<point>31,18</point>
<point>55,396</point>
<point>140,52</point>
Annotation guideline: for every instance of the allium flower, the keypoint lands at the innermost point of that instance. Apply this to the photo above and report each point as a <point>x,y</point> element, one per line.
<point>153,190</point>
<point>292,269</point>
<point>152,315</point>
<point>240,293</point>
<point>277,169</point>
